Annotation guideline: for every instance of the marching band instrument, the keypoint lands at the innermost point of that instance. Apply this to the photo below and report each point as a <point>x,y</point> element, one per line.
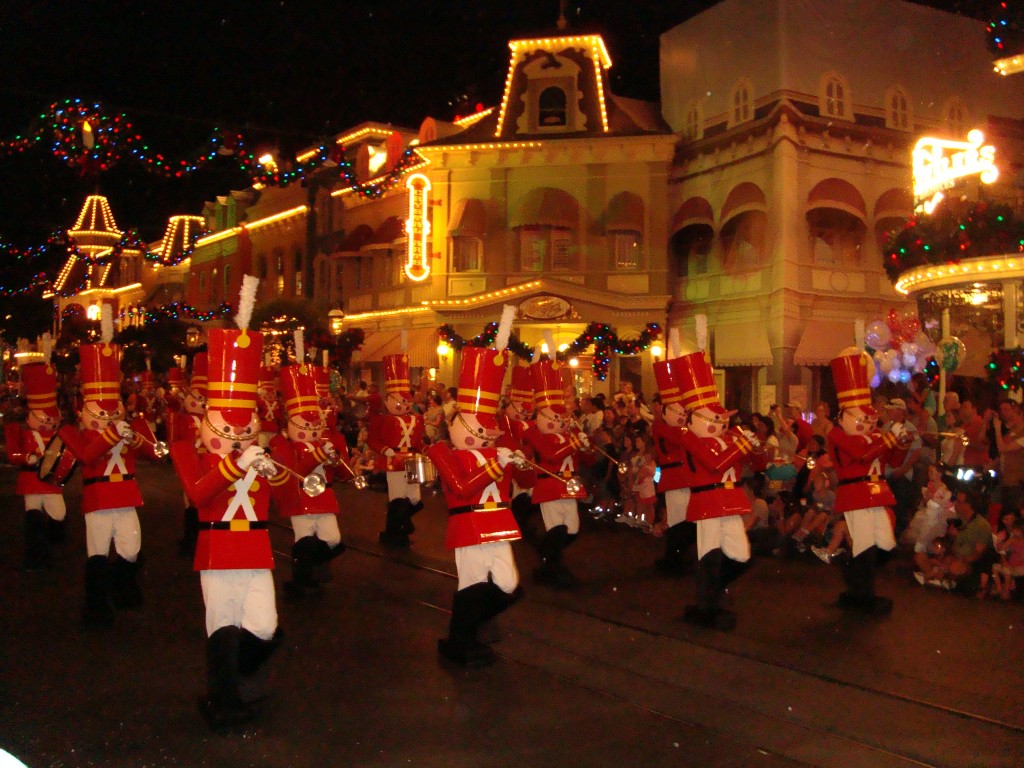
<point>160,449</point>
<point>589,446</point>
<point>57,463</point>
<point>312,484</point>
<point>961,436</point>
<point>573,485</point>
<point>334,459</point>
<point>419,469</point>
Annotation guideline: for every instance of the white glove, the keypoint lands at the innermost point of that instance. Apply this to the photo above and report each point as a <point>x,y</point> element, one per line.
<point>124,431</point>
<point>504,457</point>
<point>32,460</point>
<point>389,452</point>
<point>249,455</point>
<point>584,440</point>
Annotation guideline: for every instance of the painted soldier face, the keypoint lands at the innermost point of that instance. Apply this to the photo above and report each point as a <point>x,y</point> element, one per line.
<point>708,423</point>
<point>41,422</point>
<point>466,432</point>
<point>194,403</point>
<point>550,423</point>
<point>675,415</point>
<point>94,417</point>
<point>221,438</point>
<point>397,405</point>
<point>304,430</point>
<point>854,421</point>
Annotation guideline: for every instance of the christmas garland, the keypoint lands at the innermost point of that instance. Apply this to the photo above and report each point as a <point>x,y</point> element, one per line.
<point>179,310</point>
<point>1006,368</point>
<point>1006,30</point>
<point>604,340</point>
<point>956,230</point>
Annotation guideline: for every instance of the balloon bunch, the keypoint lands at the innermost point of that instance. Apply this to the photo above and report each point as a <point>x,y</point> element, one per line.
<point>898,346</point>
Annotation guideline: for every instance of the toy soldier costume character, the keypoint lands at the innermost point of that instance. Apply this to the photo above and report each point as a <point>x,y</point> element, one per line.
<point>714,454</point>
<point>305,448</point>
<point>106,447</point>
<point>230,484</point>
<point>397,435</point>
<point>556,449</point>
<point>676,477</point>
<point>859,451</point>
<point>27,445</point>
<point>477,492</point>
<point>514,422</point>
<point>269,406</point>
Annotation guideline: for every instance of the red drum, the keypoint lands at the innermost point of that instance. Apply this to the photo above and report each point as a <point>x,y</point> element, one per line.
<point>57,464</point>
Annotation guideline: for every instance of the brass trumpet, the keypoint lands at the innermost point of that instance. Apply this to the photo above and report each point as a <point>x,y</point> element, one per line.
<point>573,485</point>
<point>334,459</point>
<point>589,446</point>
<point>962,437</point>
<point>160,449</point>
<point>312,484</point>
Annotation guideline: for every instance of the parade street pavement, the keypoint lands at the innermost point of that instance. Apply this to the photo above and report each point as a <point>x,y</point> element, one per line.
<point>603,675</point>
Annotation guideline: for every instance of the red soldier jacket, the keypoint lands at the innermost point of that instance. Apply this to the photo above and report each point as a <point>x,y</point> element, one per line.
<point>557,454</point>
<point>304,459</point>
<point>22,442</point>
<point>182,425</point>
<point>714,482</point>
<point>477,493</point>
<point>108,465</point>
<point>512,433</point>
<point>860,463</point>
<point>402,434</point>
<point>233,509</point>
<point>671,455</point>
<point>270,415</point>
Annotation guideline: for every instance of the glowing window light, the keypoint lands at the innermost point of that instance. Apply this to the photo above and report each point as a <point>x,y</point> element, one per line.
<point>93,312</point>
<point>938,163</point>
<point>417,226</point>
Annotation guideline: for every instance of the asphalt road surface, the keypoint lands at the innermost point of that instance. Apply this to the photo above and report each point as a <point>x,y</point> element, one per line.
<point>603,675</point>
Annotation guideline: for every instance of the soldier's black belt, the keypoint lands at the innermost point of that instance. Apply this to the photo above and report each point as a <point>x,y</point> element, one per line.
<point>861,479</point>
<point>673,465</point>
<point>233,525</point>
<point>108,479</point>
<point>713,486</point>
<point>478,508</point>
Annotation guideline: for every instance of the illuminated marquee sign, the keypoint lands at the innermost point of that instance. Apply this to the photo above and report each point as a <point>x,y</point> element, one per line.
<point>417,226</point>
<point>938,163</point>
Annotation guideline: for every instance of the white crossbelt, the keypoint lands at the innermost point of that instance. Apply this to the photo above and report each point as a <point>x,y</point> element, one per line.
<point>407,427</point>
<point>40,445</point>
<point>115,462</point>
<point>491,492</point>
<point>241,497</point>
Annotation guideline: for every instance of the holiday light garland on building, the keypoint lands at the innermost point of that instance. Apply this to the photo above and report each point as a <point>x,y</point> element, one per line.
<point>1006,30</point>
<point>1006,368</point>
<point>599,335</point>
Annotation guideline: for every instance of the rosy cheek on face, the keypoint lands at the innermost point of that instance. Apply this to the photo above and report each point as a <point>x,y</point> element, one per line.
<point>94,424</point>
<point>215,444</point>
<point>302,435</point>
<point>470,441</point>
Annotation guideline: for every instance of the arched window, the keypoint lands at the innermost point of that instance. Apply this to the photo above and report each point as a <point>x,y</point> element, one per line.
<point>298,271</point>
<point>261,266</point>
<point>835,97</point>
<point>551,107</point>
<point>897,110</point>
<point>741,111</point>
<point>957,118</point>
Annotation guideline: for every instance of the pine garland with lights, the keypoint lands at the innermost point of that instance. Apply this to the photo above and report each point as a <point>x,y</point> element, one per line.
<point>955,230</point>
<point>604,340</point>
<point>1005,31</point>
<point>178,310</point>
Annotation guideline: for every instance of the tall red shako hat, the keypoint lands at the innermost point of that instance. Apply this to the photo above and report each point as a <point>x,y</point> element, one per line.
<point>322,379</point>
<point>696,381</point>
<point>200,373</point>
<point>234,360</point>
<point>39,381</point>
<point>521,390</point>
<point>850,374</point>
<point>396,375</point>
<point>546,376</point>
<point>482,375</point>
<point>666,376</point>
<point>298,387</point>
<point>268,378</point>
<point>100,367</point>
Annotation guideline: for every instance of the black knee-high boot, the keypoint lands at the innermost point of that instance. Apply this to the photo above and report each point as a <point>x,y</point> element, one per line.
<point>407,526</point>
<point>324,554</point>
<point>99,611</point>
<point>522,508</point>
<point>305,556</point>
<point>470,606</point>
<point>551,546</point>
<point>395,524</point>
<point>56,530</point>
<point>859,575</point>
<point>125,590</point>
<point>253,652</point>
<point>707,611</point>
<point>222,707</point>
<point>37,546</point>
<point>678,539</point>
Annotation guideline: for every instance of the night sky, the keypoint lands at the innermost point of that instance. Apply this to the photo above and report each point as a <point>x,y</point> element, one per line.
<point>285,73</point>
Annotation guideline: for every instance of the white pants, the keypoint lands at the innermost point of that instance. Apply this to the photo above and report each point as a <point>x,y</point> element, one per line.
<point>400,488</point>
<point>561,512</point>
<point>494,558</point>
<point>240,598</point>
<point>120,525</point>
<point>868,527</point>
<point>51,503</point>
<point>324,527</point>
<point>676,502</point>
<point>725,533</point>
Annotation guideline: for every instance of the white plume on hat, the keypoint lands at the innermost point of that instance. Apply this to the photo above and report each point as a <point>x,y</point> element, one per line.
<point>508,315</point>
<point>700,324</point>
<point>403,340</point>
<point>674,345</point>
<point>300,347</point>
<point>106,323</point>
<point>549,339</point>
<point>246,301</point>
<point>46,346</point>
